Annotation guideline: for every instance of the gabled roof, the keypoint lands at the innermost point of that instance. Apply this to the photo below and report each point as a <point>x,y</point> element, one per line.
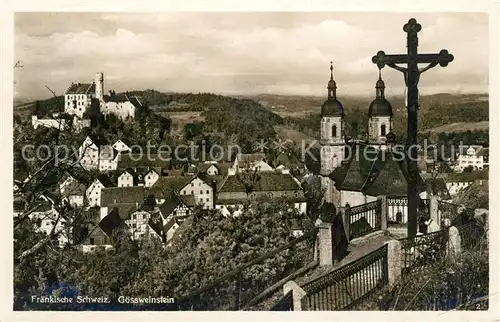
<point>105,180</point>
<point>167,186</point>
<point>390,180</point>
<point>124,210</point>
<point>125,141</point>
<point>212,180</point>
<point>111,222</point>
<point>188,200</point>
<point>114,195</point>
<point>169,205</point>
<point>353,173</point>
<point>135,101</point>
<point>117,98</point>
<point>373,172</point>
<point>80,88</point>
<point>250,158</point>
<point>263,181</point>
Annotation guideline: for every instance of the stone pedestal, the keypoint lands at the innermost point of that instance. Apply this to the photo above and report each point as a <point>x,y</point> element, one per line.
<point>325,243</point>
<point>454,242</point>
<point>298,294</point>
<point>383,212</point>
<point>394,261</point>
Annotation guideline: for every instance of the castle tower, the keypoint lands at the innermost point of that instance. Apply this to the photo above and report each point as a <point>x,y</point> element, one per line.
<point>379,116</point>
<point>332,137</point>
<point>99,86</point>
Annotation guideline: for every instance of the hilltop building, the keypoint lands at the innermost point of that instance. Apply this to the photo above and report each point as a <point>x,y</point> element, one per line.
<point>89,97</point>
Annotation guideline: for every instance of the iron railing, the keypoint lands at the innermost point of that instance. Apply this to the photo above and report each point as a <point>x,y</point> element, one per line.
<point>364,219</point>
<point>285,303</point>
<point>397,210</point>
<point>423,250</point>
<point>349,285</point>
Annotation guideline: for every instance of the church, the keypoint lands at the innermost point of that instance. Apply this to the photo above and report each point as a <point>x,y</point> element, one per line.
<point>353,171</point>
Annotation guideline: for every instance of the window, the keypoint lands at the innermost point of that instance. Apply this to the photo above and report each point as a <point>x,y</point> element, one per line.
<point>208,199</point>
<point>91,241</point>
<point>208,192</point>
<point>184,191</point>
<point>334,131</point>
<point>382,130</point>
<point>192,184</point>
<point>199,184</point>
<point>192,192</point>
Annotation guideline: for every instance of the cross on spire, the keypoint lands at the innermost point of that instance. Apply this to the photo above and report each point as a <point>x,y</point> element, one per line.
<point>331,70</point>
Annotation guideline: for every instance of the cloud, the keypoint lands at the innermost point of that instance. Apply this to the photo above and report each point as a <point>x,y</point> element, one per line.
<point>242,52</point>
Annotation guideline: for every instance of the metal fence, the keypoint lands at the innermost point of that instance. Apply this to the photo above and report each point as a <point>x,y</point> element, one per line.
<point>397,210</point>
<point>364,219</point>
<point>423,250</point>
<point>349,285</point>
<point>285,303</point>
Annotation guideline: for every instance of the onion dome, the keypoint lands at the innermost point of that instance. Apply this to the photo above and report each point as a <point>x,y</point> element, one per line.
<point>332,106</point>
<point>380,106</point>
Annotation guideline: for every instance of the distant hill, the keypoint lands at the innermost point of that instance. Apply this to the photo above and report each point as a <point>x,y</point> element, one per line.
<point>436,110</point>
<point>262,116</point>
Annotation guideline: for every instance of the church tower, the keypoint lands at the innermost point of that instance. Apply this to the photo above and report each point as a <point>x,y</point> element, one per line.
<point>332,137</point>
<point>379,117</point>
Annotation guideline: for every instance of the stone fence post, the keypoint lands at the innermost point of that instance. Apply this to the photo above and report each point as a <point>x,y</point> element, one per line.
<point>346,215</point>
<point>383,212</point>
<point>298,294</point>
<point>394,261</point>
<point>454,242</point>
<point>325,241</point>
<point>434,209</point>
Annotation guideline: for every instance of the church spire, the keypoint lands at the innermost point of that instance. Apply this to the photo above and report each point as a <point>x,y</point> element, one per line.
<point>380,86</point>
<point>332,86</point>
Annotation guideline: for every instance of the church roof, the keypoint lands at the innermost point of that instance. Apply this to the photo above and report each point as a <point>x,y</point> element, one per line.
<point>353,173</point>
<point>380,107</point>
<point>389,180</point>
<point>373,173</point>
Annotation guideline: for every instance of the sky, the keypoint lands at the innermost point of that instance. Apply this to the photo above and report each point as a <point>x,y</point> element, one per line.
<point>238,53</point>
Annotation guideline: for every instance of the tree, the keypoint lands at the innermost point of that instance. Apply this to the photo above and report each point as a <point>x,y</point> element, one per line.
<point>469,169</point>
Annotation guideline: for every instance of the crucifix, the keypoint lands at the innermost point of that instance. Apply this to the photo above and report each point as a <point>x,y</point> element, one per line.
<point>411,76</point>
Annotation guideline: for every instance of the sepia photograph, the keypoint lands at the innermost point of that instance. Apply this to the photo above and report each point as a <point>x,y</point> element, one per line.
<point>251,161</point>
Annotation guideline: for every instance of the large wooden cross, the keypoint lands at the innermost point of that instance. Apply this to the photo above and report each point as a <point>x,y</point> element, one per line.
<point>412,75</point>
